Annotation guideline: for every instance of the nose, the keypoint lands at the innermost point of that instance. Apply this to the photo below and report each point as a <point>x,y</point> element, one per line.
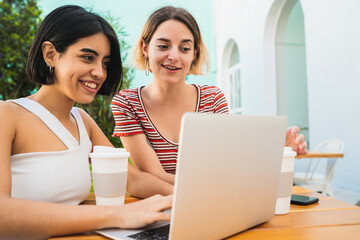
<point>99,72</point>
<point>174,54</point>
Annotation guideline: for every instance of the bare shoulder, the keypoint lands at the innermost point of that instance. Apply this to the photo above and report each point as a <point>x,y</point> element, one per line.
<point>4,104</point>
<point>8,110</point>
<point>84,115</point>
<point>87,119</point>
<point>97,137</point>
<point>10,113</point>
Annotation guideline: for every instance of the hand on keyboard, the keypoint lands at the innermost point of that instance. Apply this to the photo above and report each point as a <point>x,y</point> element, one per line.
<point>144,212</point>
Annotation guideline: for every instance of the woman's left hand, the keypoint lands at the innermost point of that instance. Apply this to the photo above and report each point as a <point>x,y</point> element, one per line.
<point>295,140</point>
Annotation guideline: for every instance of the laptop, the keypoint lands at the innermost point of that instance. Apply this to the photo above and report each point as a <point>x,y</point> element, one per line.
<point>227,177</point>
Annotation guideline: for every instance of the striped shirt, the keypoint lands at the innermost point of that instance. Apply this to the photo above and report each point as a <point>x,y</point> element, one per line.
<point>131,118</point>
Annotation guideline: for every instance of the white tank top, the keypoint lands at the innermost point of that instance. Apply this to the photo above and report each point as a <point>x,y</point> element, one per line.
<point>61,176</point>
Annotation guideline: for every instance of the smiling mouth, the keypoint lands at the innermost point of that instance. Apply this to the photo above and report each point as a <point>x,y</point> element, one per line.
<point>170,67</point>
<point>91,85</point>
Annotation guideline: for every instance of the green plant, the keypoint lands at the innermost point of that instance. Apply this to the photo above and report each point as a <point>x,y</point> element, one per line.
<point>19,20</point>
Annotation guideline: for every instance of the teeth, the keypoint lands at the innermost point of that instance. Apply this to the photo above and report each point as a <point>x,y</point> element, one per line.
<point>171,68</point>
<point>90,85</point>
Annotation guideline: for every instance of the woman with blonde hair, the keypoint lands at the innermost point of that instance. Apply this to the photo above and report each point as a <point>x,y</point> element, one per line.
<point>148,117</point>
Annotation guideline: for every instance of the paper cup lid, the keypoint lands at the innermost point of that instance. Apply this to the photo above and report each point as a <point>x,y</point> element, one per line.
<point>109,152</point>
<point>107,149</point>
<point>288,152</point>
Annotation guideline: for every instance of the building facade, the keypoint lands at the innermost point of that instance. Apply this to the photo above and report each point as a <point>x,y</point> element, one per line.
<point>298,58</point>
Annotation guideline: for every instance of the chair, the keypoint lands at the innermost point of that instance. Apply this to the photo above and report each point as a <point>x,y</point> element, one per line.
<point>320,170</point>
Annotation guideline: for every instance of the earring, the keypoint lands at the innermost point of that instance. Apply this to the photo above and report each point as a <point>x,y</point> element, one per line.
<point>147,67</point>
<point>51,69</point>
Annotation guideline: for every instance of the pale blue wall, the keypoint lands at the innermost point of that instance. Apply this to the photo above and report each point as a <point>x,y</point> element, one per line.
<point>133,15</point>
<point>291,71</point>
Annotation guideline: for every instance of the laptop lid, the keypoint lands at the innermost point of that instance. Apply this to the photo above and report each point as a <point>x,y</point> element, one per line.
<point>227,175</point>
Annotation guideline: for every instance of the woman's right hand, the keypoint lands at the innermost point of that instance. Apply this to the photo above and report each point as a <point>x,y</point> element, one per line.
<point>144,212</point>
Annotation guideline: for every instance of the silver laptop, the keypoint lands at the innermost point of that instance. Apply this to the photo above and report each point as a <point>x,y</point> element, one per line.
<point>227,177</point>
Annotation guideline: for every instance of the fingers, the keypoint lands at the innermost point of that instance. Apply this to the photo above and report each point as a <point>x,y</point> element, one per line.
<point>288,131</point>
<point>295,129</point>
<point>163,216</point>
<point>159,202</point>
<point>295,140</point>
<point>302,148</point>
<point>144,212</point>
<point>167,203</point>
<point>289,137</point>
<point>162,203</point>
<point>300,138</point>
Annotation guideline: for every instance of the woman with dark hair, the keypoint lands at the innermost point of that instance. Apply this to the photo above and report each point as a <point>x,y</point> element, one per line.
<point>148,118</point>
<point>45,142</point>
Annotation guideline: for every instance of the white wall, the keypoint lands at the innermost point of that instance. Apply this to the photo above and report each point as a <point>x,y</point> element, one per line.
<point>332,40</point>
<point>333,64</point>
<point>244,21</point>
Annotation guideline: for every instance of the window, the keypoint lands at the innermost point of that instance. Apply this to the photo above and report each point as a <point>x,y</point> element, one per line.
<point>234,81</point>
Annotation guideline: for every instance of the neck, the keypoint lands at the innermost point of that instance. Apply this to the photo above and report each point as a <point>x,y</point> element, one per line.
<point>166,93</point>
<point>56,103</point>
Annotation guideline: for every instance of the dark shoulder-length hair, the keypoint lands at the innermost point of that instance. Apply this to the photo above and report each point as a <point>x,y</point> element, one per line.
<point>63,27</point>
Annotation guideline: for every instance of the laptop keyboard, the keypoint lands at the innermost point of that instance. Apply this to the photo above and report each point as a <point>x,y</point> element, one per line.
<point>158,233</point>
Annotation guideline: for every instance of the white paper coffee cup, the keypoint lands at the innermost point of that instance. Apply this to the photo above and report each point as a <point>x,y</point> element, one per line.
<point>286,181</point>
<point>109,171</point>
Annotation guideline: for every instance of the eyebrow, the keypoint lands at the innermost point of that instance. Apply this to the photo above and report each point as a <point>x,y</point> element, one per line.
<point>89,50</point>
<point>167,40</point>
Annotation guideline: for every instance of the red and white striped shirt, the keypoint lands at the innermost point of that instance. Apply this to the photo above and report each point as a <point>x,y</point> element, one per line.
<point>131,119</point>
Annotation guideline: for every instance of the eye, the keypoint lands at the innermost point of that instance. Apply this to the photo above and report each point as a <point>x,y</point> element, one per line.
<point>88,58</point>
<point>186,49</point>
<point>106,64</point>
<point>162,47</point>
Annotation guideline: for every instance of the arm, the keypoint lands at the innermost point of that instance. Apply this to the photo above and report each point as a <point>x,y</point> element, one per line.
<point>145,158</point>
<point>19,217</point>
<point>135,142</point>
<point>220,103</point>
<point>142,184</point>
<point>139,183</point>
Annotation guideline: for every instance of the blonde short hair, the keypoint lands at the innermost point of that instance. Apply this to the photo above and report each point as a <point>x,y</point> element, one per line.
<point>179,14</point>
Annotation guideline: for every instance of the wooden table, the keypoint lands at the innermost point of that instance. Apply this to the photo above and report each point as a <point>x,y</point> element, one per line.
<point>328,219</point>
<point>317,154</point>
